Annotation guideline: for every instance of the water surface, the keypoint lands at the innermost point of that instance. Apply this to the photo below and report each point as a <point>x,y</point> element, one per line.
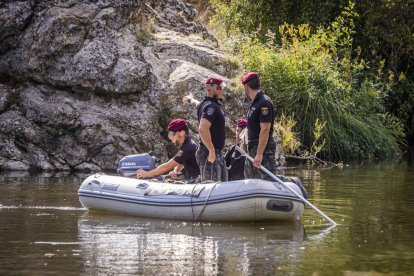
<point>45,231</point>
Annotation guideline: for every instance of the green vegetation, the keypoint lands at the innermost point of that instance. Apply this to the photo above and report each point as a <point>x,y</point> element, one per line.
<point>143,26</point>
<point>164,118</point>
<point>318,79</point>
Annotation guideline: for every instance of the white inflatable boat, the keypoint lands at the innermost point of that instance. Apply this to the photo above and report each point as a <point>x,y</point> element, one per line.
<point>234,201</point>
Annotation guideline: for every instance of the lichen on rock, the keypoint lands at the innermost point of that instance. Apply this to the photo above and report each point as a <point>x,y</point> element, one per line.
<point>84,83</point>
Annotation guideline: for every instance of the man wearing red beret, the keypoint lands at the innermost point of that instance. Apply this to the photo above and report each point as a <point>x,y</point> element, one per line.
<point>235,162</point>
<point>260,120</point>
<point>240,129</point>
<point>212,133</point>
<point>185,157</point>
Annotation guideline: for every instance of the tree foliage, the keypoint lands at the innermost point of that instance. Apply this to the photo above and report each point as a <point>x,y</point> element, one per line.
<point>314,77</point>
<point>381,36</point>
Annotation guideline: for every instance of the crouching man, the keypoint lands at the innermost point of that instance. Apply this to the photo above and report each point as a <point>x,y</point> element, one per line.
<point>184,159</point>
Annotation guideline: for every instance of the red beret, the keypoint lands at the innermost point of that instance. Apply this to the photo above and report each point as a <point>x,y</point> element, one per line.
<point>249,77</point>
<point>214,81</point>
<point>241,123</point>
<point>177,125</point>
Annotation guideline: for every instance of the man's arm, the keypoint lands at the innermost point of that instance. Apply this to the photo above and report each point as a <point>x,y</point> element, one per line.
<point>189,99</point>
<point>244,140</point>
<point>163,168</point>
<point>238,131</point>
<point>177,169</point>
<point>263,137</point>
<point>205,135</point>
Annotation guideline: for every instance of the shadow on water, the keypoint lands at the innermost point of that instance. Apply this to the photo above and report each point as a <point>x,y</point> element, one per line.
<point>410,155</point>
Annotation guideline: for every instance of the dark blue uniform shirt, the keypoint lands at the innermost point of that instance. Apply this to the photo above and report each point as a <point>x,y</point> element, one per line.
<point>211,110</point>
<point>261,110</point>
<point>186,157</point>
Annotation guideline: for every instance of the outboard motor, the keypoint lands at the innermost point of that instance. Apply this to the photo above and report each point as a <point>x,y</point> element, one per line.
<point>129,164</point>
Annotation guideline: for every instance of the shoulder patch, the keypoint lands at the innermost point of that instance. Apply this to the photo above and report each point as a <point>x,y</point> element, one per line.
<point>205,104</point>
<point>179,153</point>
<point>265,110</point>
<point>210,111</point>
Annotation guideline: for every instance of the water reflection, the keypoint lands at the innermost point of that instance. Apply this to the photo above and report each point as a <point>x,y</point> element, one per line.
<point>45,231</point>
<point>24,176</point>
<point>142,246</point>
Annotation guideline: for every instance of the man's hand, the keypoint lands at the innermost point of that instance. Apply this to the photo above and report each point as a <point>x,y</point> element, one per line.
<point>257,161</point>
<point>142,174</point>
<point>211,156</point>
<point>187,99</point>
<point>173,174</point>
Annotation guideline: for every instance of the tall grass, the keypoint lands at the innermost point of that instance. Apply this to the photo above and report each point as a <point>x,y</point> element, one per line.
<point>314,79</point>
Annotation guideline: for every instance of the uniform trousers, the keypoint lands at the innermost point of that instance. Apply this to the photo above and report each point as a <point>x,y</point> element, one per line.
<point>269,162</point>
<point>216,171</point>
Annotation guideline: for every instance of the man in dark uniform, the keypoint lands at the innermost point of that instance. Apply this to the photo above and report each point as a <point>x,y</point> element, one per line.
<point>212,133</point>
<point>234,160</point>
<point>260,120</point>
<point>241,132</point>
<point>185,157</point>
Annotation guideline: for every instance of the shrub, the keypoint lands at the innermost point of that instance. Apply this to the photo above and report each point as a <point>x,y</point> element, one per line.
<point>313,78</point>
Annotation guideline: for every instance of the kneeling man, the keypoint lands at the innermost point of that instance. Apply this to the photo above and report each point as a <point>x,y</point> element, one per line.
<point>185,157</point>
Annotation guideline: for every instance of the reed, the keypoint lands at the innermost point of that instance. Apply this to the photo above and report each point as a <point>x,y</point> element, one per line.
<point>314,80</point>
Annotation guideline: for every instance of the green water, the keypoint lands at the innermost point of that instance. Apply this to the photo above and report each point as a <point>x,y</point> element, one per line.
<point>45,231</point>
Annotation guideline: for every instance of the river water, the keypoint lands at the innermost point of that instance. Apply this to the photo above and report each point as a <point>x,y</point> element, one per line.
<point>45,231</point>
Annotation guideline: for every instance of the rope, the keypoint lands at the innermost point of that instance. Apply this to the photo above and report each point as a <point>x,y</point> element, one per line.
<point>205,202</point>
<point>191,202</point>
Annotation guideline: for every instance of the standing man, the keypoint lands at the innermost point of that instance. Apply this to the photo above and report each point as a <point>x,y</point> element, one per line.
<point>241,132</point>
<point>212,133</point>
<point>235,162</point>
<point>260,120</point>
<point>184,159</point>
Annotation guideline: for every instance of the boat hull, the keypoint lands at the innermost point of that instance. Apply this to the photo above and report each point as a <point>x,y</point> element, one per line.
<point>235,201</point>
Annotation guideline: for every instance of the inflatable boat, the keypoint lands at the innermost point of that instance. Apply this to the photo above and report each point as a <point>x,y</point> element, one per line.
<point>234,201</point>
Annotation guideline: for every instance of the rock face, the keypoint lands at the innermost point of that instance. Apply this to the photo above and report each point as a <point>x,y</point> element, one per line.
<point>83,83</point>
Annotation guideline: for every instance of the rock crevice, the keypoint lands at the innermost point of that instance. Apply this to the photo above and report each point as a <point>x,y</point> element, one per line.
<point>84,83</point>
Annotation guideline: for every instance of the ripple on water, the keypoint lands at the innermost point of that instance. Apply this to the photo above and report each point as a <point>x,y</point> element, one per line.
<point>62,208</point>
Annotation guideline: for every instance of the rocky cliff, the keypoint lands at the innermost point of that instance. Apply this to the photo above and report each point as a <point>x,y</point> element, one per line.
<point>85,82</point>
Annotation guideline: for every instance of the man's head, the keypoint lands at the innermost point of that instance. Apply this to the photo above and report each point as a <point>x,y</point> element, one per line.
<point>241,124</point>
<point>251,84</point>
<point>177,131</point>
<point>214,87</point>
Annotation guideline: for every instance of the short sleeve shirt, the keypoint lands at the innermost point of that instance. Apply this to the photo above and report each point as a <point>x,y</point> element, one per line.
<point>186,157</point>
<point>261,110</point>
<point>211,110</point>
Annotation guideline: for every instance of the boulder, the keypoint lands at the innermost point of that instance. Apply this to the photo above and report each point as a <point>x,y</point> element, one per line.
<point>84,83</point>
